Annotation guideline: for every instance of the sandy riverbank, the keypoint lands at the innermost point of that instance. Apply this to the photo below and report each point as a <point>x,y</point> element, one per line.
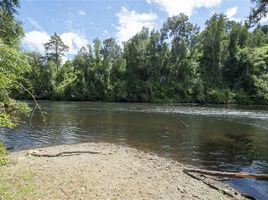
<point>117,172</point>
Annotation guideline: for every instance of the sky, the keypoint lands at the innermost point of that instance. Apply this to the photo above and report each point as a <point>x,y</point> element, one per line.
<point>79,22</point>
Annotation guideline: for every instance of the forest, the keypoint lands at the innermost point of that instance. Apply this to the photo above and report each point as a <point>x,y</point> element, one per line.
<point>224,63</point>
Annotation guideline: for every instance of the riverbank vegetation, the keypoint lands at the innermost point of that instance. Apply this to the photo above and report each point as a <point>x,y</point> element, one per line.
<point>13,64</point>
<point>224,63</point>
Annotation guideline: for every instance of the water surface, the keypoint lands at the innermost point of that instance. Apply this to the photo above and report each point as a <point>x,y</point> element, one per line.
<point>227,138</point>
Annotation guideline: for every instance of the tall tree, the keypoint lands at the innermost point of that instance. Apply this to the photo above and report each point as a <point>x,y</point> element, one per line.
<point>55,49</point>
<point>113,68</point>
<point>135,51</point>
<point>183,35</point>
<point>213,47</point>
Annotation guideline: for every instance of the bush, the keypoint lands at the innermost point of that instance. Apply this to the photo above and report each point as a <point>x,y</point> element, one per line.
<point>3,155</point>
<point>243,98</point>
<point>223,96</point>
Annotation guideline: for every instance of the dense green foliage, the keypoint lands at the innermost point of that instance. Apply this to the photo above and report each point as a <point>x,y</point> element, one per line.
<point>13,64</point>
<point>225,63</point>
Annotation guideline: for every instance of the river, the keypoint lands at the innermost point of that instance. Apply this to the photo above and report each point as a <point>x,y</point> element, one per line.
<point>217,137</point>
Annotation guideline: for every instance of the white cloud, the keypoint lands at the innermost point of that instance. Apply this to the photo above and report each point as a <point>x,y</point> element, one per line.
<point>231,12</point>
<point>35,24</point>
<point>35,40</point>
<point>175,7</point>
<point>264,20</point>
<point>81,13</point>
<point>74,41</point>
<point>131,22</point>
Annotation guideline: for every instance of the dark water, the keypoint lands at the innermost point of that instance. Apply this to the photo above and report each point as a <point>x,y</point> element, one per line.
<point>227,138</point>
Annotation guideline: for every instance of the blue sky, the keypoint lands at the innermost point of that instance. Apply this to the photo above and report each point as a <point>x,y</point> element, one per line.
<point>80,21</point>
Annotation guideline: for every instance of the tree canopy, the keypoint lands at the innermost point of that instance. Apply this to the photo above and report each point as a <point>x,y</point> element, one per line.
<point>259,11</point>
<point>55,49</point>
<point>13,63</point>
<point>224,63</point>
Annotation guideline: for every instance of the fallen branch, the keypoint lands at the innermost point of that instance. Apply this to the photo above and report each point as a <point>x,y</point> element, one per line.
<point>65,153</point>
<point>210,185</point>
<point>227,191</point>
<point>36,103</point>
<point>228,174</point>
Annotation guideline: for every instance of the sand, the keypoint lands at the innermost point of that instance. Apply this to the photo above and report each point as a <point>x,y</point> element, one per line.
<point>117,172</point>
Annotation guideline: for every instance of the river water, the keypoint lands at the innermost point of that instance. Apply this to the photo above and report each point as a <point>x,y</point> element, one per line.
<point>226,138</point>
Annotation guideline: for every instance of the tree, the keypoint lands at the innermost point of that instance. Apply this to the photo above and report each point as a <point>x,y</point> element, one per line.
<point>10,6</point>
<point>238,36</point>
<point>183,35</point>
<point>84,66</point>
<point>225,63</point>
<point>258,12</point>
<point>13,63</point>
<point>136,76</point>
<point>257,38</point>
<point>112,68</point>
<point>213,47</point>
<point>264,28</point>
<point>55,49</point>
<point>11,30</point>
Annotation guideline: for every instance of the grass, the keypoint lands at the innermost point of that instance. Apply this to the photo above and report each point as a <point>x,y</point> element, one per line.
<point>17,184</point>
<point>3,155</point>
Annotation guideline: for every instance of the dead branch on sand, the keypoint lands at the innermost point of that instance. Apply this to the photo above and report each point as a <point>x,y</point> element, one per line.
<point>65,153</point>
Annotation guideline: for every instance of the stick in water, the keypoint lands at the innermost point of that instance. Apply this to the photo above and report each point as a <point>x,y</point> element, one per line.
<point>184,124</point>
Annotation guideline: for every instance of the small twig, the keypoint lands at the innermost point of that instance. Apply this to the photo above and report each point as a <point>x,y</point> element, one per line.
<point>64,192</point>
<point>184,124</point>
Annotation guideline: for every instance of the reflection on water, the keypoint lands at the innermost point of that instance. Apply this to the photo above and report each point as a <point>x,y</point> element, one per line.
<point>216,137</point>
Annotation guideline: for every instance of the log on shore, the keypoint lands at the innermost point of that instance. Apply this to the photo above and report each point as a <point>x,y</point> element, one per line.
<point>227,174</point>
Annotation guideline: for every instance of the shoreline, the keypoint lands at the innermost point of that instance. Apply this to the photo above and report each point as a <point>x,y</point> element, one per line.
<point>137,102</point>
<point>116,172</point>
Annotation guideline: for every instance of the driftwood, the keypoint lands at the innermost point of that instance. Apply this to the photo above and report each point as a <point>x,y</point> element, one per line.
<point>226,190</point>
<point>65,153</point>
<point>228,174</point>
